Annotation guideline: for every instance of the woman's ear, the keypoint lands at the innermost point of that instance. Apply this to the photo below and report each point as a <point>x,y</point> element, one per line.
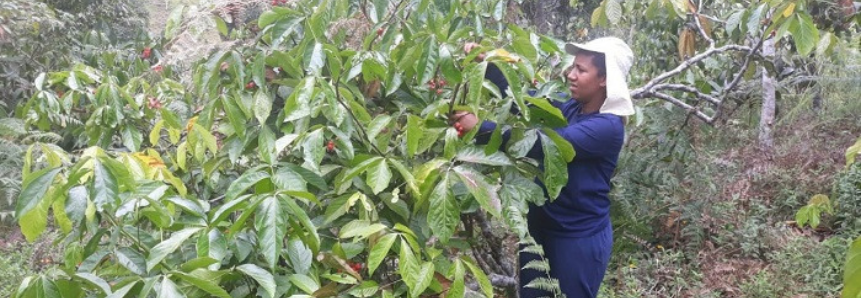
<point>603,82</point>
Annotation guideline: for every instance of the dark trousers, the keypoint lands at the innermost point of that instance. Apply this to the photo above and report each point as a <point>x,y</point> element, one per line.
<point>578,263</point>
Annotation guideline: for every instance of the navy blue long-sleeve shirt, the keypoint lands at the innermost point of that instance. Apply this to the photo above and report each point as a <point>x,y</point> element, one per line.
<point>583,206</point>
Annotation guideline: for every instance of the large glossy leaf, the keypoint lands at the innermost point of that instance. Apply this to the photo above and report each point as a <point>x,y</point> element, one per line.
<point>426,67</point>
<point>555,167</point>
<point>412,184</point>
<point>243,183</point>
<point>271,224</point>
<point>484,192</point>
<point>207,286</point>
<point>408,267</point>
<point>478,156</point>
<point>105,190</point>
<point>132,260</point>
<point>96,281</point>
<point>379,176</point>
<point>415,129</point>
<point>475,77</point>
<point>262,106</point>
<point>32,205</point>
<point>804,33</point>
<point>168,246</point>
<point>565,147</point>
<point>424,279</point>
<point>481,277</point>
<point>168,289</point>
<point>444,212</point>
<point>379,252</point>
<point>263,277</point>
<point>852,271</point>
<point>301,257</point>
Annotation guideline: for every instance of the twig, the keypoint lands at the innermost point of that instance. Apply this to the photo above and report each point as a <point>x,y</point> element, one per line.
<point>682,105</point>
<point>353,116</point>
<point>700,27</point>
<point>636,93</point>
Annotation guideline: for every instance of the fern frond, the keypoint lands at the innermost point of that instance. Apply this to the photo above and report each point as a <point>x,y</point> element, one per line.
<point>544,283</point>
<point>540,265</point>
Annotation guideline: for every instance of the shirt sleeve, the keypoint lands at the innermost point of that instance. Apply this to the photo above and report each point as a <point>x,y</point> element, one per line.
<point>595,137</point>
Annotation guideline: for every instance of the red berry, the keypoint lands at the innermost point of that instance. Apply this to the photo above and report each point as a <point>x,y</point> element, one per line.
<point>146,53</point>
<point>157,68</point>
<point>534,82</point>
<point>250,85</point>
<point>380,31</point>
<point>438,91</point>
<point>330,146</point>
<point>60,93</point>
<point>442,83</point>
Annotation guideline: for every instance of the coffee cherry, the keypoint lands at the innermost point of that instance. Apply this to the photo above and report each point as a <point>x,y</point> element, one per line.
<point>330,146</point>
<point>250,85</point>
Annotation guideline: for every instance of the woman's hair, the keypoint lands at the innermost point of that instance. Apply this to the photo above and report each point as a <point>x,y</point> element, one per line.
<point>598,59</point>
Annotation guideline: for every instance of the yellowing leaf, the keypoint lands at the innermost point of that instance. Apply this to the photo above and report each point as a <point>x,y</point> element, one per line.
<point>191,123</point>
<point>789,9</point>
<point>503,55</point>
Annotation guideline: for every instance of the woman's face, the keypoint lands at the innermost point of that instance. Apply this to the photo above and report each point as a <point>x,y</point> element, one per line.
<point>584,81</point>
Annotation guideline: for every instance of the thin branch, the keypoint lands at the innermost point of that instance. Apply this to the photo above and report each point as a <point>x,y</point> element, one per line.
<point>502,281</point>
<point>703,30</point>
<point>685,88</point>
<point>681,104</point>
<point>685,65</point>
<point>353,116</point>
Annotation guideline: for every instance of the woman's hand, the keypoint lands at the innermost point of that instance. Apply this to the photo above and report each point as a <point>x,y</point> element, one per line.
<point>469,46</point>
<point>463,121</point>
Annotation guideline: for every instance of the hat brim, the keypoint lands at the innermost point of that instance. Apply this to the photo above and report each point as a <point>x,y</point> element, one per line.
<point>573,48</point>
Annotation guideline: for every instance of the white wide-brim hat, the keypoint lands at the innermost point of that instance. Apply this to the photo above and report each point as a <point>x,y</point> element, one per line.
<point>619,59</point>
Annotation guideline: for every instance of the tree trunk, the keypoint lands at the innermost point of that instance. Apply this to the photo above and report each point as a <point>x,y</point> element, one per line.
<point>766,119</point>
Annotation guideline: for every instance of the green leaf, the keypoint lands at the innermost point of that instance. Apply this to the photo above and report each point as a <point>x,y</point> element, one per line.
<point>263,277</point>
<point>266,145</point>
<point>361,168</point>
<point>132,138</point>
<point>613,9</point>
<point>545,105</point>
<point>243,183</point>
<point>301,257</point>
<point>425,277</point>
<point>169,289</point>
<point>458,287</point>
<point>360,228</point>
<point>105,190</point>
<point>555,167</point>
<point>523,47</point>
<point>484,192</point>
<point>377,126</point>
<point>224,210</point>
<point>32,206</point>
<point>168,246</point>
<point>565,147</point>
<point>315,59</point>
<point>378,177</point>
<point>448,68</point>
<point>305,283</point>
<point>271,225</point>
<point>380,251</point>
<point>92,279</point>
<point>173,22</point>
<point>262,106</point>
<point>220,25</point>
<point>482,279</point>
<point>309,176</point>
<point>444,212</point>
<point>258,71</point>
<point>852,152</point>
<point>426,66</point>
<point>804,33</point>
<point>313,148</point>
<point>408,266</point>
<point>206,285</point>
<point>415,129</point>
<point>495,141</point>
<point>408,177</point>
<point>131,260</point>
<point>234,116</point>
<point>476,81</point>
<point>852,271</point>
<point>287,179</point>
<point>478,156</point>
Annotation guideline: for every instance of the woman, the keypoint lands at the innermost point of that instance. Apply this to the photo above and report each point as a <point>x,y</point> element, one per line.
<point>575,228</point>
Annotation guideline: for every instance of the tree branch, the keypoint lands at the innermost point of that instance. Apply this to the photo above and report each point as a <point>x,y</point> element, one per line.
<point>685,65</point>
<point>681,104</point>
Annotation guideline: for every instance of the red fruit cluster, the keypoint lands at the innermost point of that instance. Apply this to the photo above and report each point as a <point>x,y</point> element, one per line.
<point>356,266</point>
<point>157,68</point>
<point>460,130</point>
<point>330,146</point>
<point>250,85</point>
<point>153,103</point>
<point>278,2</point>
<point>146,53</point>
<point>436,85</point>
